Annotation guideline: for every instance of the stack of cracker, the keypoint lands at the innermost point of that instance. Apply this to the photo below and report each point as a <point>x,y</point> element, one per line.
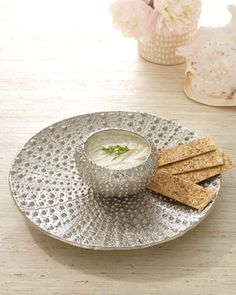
<point>180,168</point>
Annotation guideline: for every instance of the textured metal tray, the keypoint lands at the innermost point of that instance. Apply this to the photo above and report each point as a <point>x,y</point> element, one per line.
<point>48,190</point>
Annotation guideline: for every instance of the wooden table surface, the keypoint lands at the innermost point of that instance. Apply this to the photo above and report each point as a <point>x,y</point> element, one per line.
<point>63,58</point>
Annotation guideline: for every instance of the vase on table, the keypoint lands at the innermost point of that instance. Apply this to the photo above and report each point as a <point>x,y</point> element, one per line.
<point>162,49</point>
<point>159,26</point>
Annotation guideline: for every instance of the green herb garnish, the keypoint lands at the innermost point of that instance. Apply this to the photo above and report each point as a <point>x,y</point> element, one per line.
<point>115,150</point>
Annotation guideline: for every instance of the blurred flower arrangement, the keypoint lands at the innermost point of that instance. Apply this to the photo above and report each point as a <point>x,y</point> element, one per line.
<point>146,19</point>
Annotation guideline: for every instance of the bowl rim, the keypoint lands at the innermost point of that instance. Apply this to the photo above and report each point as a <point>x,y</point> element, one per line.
<point>152,151</point>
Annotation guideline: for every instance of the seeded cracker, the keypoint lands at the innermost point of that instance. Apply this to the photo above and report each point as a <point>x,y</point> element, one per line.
<point>209,159</point>
<point>181,190</point>
<point>185,151</point>
<point>200,175</point>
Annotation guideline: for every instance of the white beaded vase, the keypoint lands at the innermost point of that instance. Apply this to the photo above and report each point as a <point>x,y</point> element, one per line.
<point>161,50</point>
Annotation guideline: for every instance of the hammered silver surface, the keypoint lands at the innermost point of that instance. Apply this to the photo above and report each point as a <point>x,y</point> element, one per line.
<point>49,191</point>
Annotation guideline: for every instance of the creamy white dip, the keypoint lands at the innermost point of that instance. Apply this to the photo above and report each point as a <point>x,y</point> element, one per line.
<point>138,149</point>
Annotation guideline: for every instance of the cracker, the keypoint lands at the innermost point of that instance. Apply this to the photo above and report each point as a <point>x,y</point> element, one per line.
<point>200,175</point>
<point>209,159</point>
<point>186,151</point>
<point>181,190</point>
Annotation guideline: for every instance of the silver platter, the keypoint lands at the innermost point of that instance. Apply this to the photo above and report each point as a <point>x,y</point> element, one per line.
<point>48,189</point>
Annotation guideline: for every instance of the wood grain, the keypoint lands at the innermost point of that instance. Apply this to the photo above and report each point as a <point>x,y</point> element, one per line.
<point>62,58</point>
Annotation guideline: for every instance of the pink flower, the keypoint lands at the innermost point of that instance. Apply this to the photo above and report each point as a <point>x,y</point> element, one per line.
<point>134,18</point>
<point>176,16</point>
<point>144,19</point>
